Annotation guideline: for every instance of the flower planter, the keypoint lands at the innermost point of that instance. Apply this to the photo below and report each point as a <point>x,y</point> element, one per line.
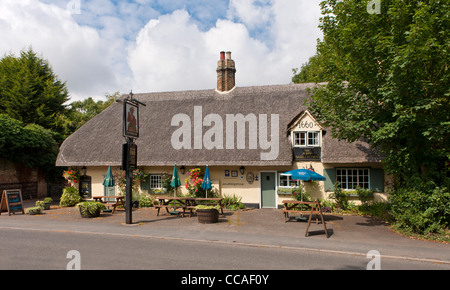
<point>207,216</point>
<point>87,214</point>
<point>89,209</point>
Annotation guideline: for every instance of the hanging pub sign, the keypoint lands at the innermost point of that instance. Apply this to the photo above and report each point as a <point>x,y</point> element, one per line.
<point>307,154</point>
<point>129,156</point>
<point>130,119</point>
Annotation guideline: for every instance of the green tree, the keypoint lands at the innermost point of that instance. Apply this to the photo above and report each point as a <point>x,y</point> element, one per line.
<point>310,72</point>
<point>388,82</point>
<point>79,112</point>
<point>30,91</point>
<point>31,145</point>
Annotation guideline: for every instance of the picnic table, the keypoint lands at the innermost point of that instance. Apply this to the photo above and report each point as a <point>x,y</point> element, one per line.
<point>118,200</point>
<point>296,206</point>
<point>186,203</point>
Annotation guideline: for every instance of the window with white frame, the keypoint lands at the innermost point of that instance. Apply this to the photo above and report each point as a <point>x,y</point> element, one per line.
<point>351,178</point>
<point>155,181</point>
<point>286,181</point>
<point>307,138</point>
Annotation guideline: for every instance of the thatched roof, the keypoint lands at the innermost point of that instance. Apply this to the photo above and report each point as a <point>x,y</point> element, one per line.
<point>99,141</point>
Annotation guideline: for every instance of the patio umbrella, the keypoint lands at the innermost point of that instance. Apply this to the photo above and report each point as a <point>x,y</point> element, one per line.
<point>109,178</point>
<point>206,181</point>
<point>304,174</point>
<point>175,183</point>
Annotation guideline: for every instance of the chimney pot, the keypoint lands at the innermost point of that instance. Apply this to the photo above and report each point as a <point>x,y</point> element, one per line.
<point>226,71</point>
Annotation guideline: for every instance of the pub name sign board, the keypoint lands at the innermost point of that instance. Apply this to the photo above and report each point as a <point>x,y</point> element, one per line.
<point>307,154</point>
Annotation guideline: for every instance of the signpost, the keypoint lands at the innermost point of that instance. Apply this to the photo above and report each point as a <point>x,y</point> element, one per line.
<point>129,150</point>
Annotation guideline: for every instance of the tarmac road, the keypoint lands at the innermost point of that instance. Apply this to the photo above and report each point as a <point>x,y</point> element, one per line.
<point>253,239</point>
<point>27,249</point>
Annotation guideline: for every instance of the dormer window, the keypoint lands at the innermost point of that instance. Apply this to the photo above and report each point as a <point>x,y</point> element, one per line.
<point>306,139</point>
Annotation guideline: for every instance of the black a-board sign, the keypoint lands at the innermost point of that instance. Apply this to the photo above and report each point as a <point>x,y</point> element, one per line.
<point>11,201</point>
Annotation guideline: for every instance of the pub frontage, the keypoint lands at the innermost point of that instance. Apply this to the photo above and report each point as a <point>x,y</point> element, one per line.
<point>247,136</point>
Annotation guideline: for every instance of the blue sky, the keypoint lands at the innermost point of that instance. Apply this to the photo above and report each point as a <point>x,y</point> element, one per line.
<point>146,45</point>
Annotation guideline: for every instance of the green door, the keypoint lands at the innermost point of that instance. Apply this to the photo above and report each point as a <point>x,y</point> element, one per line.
<point>268,196</point>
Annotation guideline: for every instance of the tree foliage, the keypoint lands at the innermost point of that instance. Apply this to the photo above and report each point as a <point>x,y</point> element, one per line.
<point>79,112</point>
<point>30,91</point>
<point>34,115</point>
<point>388,82</point>
<point>31,144</point>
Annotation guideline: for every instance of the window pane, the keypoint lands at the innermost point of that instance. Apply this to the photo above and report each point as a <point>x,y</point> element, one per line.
<point>296,138</point>
<point>351,178</point>
<point>313,139</point>
<point>283,180</point>
<point>155,181</point>
<point>302,138</point>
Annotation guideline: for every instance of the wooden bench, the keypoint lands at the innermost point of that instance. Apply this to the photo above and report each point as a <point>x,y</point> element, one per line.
<point>175,207</point>
<point>119,201</point>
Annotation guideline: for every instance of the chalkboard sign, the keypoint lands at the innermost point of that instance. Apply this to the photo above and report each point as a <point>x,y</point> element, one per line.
<point>85,186</point>
<point>12,201</point>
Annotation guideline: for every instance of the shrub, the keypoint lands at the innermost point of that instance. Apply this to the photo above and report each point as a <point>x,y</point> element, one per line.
<point>340,197</point>
<point>364,195</point>
<point>146,200</point>
<point>70,197</point>
<point>40,203</point>
<point>232,202</point>
<point>422,209</point>
<point>34,210</point>
<point>201,206</point>
<point>90,208</point>
<point>48,200</point>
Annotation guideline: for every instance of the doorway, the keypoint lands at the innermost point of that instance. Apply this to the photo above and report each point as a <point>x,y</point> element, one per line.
<point>268,190</point>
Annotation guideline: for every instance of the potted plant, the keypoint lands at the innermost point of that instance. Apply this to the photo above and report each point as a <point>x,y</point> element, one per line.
<point>47,202</point>
<point>70,197</point>
<point>34,210</point>
<point>207,214</point>
<point>90,209</point>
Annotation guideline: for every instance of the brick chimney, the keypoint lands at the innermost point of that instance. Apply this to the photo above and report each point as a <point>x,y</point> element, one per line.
<point>226,71</point>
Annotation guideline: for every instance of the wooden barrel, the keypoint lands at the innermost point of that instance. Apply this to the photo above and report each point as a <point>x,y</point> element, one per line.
<point>207,216</point>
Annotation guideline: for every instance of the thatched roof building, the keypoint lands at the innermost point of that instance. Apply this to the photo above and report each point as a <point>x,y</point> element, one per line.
<point>99,141</point>
<point>262,130</point>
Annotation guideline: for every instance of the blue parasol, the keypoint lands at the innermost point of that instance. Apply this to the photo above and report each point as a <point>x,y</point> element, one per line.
<point>206,181</point>
<point>304,174</point>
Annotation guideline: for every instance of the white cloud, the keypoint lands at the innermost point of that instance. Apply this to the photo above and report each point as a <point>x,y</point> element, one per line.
<point>172,53</point>
<point>252,13</point>
<point>76,53</point>
<point>117,46</point>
